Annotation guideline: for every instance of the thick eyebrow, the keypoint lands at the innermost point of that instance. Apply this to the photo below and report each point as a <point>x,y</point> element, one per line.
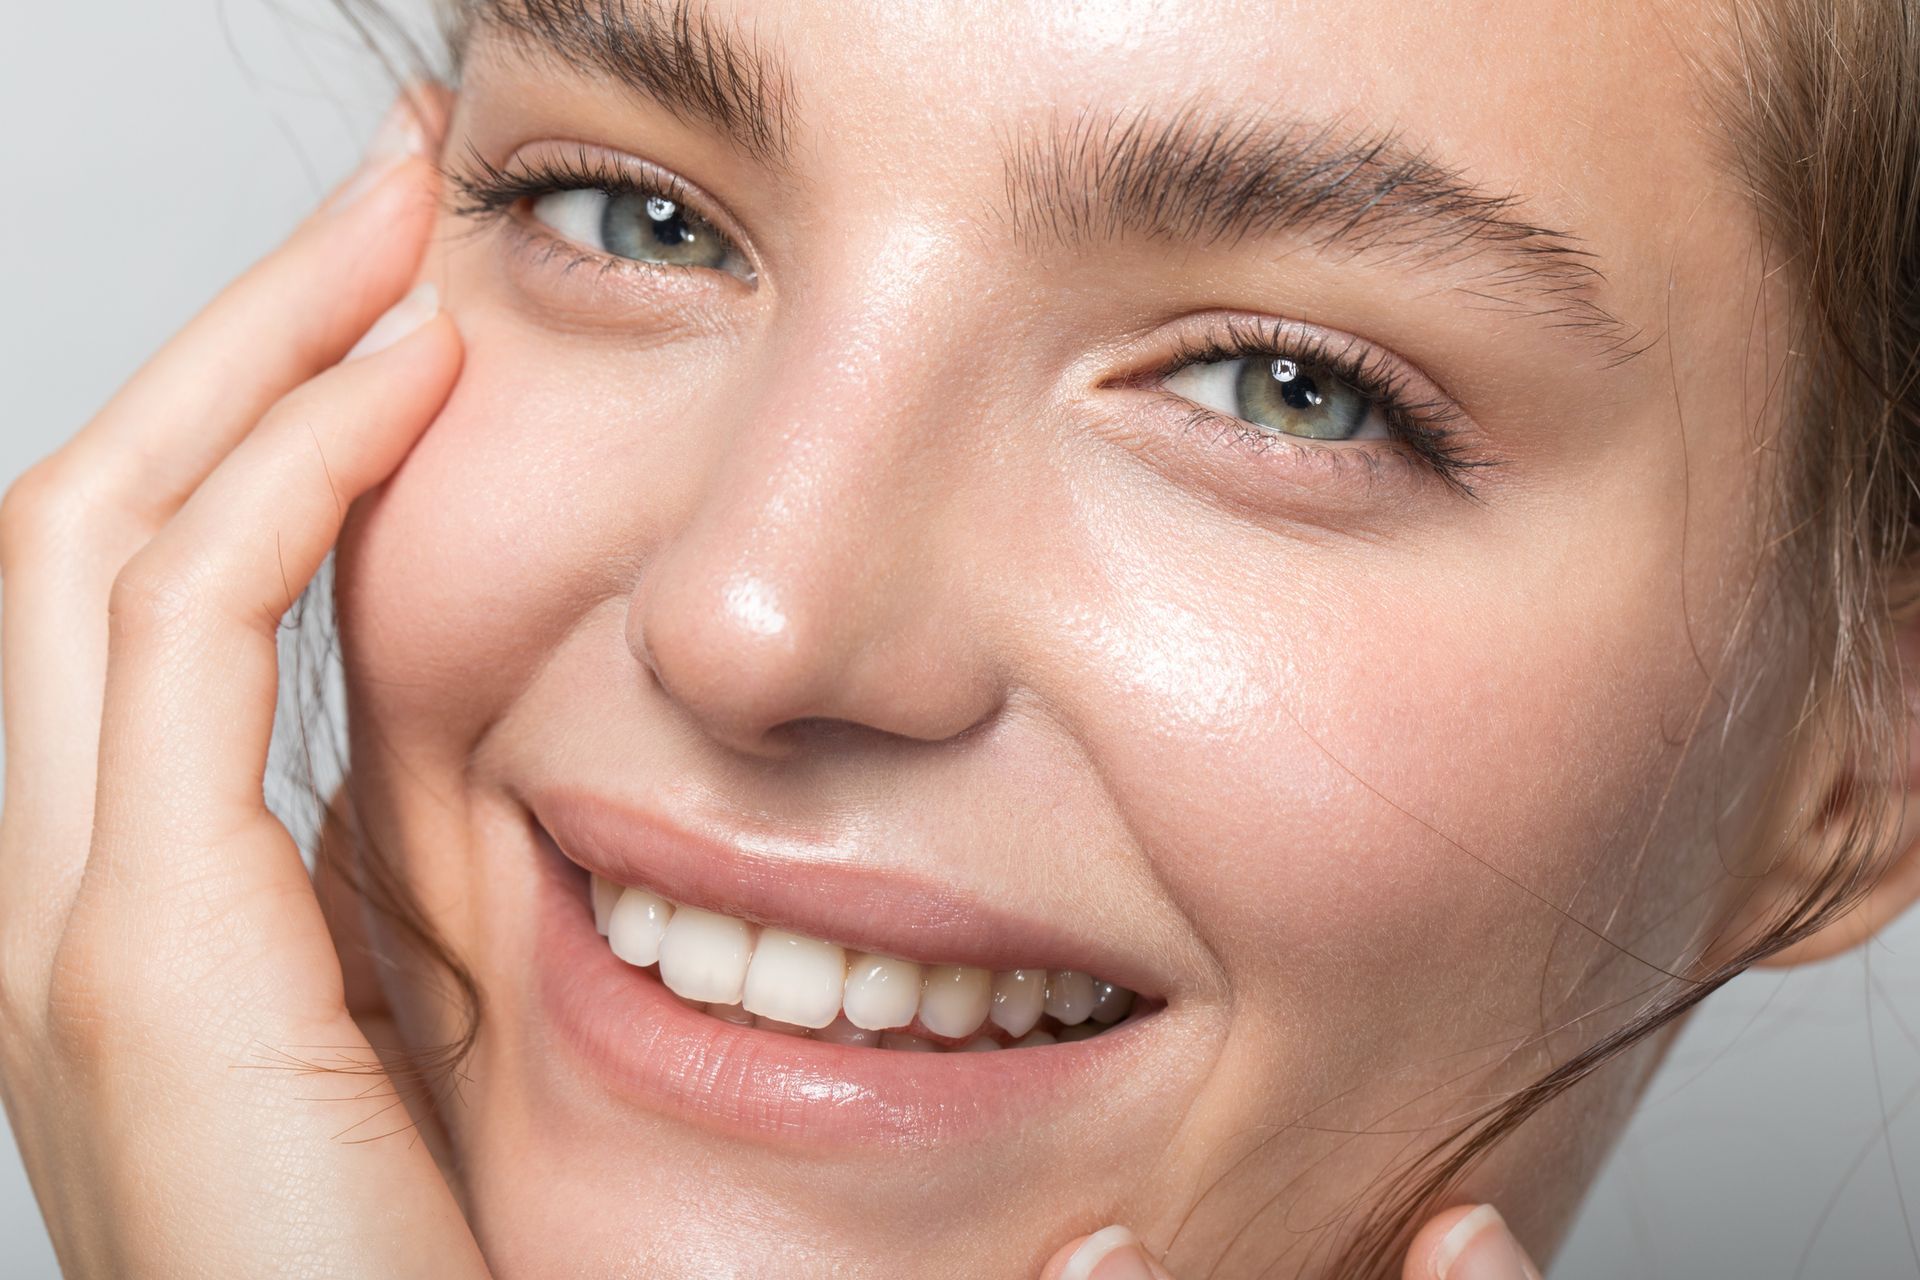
<point>1197,175</point>
<point>674,52</point>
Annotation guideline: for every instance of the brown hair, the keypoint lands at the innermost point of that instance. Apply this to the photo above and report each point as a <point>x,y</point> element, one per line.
<point>1819,103</point>
<point>1820,106</point>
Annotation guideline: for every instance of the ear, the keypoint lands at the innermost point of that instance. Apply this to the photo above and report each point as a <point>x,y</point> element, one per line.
<point>1898,884</point>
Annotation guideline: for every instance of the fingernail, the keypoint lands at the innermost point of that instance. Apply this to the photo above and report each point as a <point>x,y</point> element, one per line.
<point>405,316</point>
<point>1112,1253</point>
<point>399,138</point>
<point>1480,1247</point>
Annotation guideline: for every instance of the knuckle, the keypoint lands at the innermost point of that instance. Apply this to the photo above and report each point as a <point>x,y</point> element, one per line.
<point>93,1006</point>
<point>77,1011</point>
<point>150,601</point>
<point>35,507</point>
<point>64,509</point>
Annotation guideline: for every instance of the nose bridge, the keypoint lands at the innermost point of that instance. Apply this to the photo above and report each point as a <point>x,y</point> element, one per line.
<point>806,582</point>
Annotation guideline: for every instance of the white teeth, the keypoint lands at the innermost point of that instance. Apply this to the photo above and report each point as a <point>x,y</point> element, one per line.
<point>912,1044</point>
<point>638,922</point>
<point>704,956</point>
<point>840,1031</point>
<point>955,1001</point>
<point>789,984</point>
<point>881,992</point>
<point>795,979</point>
<point>1110,1003</point>
<point>1019,998</point>
<point>604,893</point>
<point>1069,996</point>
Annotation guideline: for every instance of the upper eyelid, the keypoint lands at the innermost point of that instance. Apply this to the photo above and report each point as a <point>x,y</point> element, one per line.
<point>588,167</point>
<point>1215,335</point>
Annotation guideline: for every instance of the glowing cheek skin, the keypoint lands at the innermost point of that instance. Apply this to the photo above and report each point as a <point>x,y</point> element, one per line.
<point>1155,657</point>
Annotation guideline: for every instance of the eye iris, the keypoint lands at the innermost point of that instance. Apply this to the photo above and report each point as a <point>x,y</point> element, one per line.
<point>1298,399</point>
<point>651,228</point>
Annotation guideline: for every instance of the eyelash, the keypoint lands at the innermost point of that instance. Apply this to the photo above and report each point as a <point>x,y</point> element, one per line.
<point>1418,426</point>
<point>489,194</point>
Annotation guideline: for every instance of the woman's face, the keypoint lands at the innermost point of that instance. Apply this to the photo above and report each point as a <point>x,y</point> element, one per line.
<point>990,488</point>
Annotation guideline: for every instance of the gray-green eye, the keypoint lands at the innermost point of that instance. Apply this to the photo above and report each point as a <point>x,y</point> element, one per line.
<point>641,227</point>
<point>1282,396</point>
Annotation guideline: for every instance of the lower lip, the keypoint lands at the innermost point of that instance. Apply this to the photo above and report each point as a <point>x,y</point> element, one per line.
<point>650,1047</point>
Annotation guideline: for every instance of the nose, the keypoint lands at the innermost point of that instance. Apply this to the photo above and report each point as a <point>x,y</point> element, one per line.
<point>816,578</point>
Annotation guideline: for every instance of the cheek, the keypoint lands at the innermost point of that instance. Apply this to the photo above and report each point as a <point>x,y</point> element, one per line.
<point>1383,781</point>
<point>518,512</point>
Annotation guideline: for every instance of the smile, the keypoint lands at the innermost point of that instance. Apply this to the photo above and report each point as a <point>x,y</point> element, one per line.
<point>687,970</point>
<point>788,983</point>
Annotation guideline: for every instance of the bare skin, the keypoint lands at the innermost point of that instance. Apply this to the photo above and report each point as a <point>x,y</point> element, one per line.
<point>903,536</point>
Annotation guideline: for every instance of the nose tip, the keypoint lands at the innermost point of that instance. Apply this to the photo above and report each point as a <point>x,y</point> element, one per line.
<point>729,656</point>
<point>760,666</point>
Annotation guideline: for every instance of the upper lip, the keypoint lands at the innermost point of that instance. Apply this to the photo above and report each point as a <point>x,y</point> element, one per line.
<point>824,893</point>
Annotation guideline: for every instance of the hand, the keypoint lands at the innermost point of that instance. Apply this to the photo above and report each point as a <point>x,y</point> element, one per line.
<point>1463,1243</point>
<point>164,962</point>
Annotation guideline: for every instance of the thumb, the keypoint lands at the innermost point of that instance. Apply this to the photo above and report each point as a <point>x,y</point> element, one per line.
<point>1112,1253</point>
<point>1468,1242</point>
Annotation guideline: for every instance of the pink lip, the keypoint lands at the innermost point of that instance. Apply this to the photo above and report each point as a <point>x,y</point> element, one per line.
<point>860,907</point>
<point>807,1094</point>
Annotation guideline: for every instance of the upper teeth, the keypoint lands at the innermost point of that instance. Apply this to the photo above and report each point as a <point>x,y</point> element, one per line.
<point>785,978</point>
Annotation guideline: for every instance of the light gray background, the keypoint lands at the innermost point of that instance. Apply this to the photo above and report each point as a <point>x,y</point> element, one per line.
<point>153,149</point>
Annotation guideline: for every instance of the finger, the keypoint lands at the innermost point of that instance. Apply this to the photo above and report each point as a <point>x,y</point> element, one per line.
<point>69,525</point>
<point>288,317</point>
<point>192,669</point>
<point>1468,1242</point>
<point>1112,1253</point>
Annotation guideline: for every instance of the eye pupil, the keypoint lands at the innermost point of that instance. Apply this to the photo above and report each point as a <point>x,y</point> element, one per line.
<point>669,228</point>
<point>1296,389</point>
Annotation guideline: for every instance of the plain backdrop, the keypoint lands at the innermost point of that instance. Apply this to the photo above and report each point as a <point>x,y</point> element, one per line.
<point>152,150</point>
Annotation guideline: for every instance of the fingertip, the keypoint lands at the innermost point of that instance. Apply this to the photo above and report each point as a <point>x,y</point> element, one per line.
<point>1423,1254</point>
<point>1467,1242</point>
<point>1111,1253</point>
<point>1057,1264</point>
<point>401,321</point>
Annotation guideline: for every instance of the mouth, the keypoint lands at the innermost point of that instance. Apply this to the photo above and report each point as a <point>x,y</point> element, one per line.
<point>694,975</point>
<point>790,984</point>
